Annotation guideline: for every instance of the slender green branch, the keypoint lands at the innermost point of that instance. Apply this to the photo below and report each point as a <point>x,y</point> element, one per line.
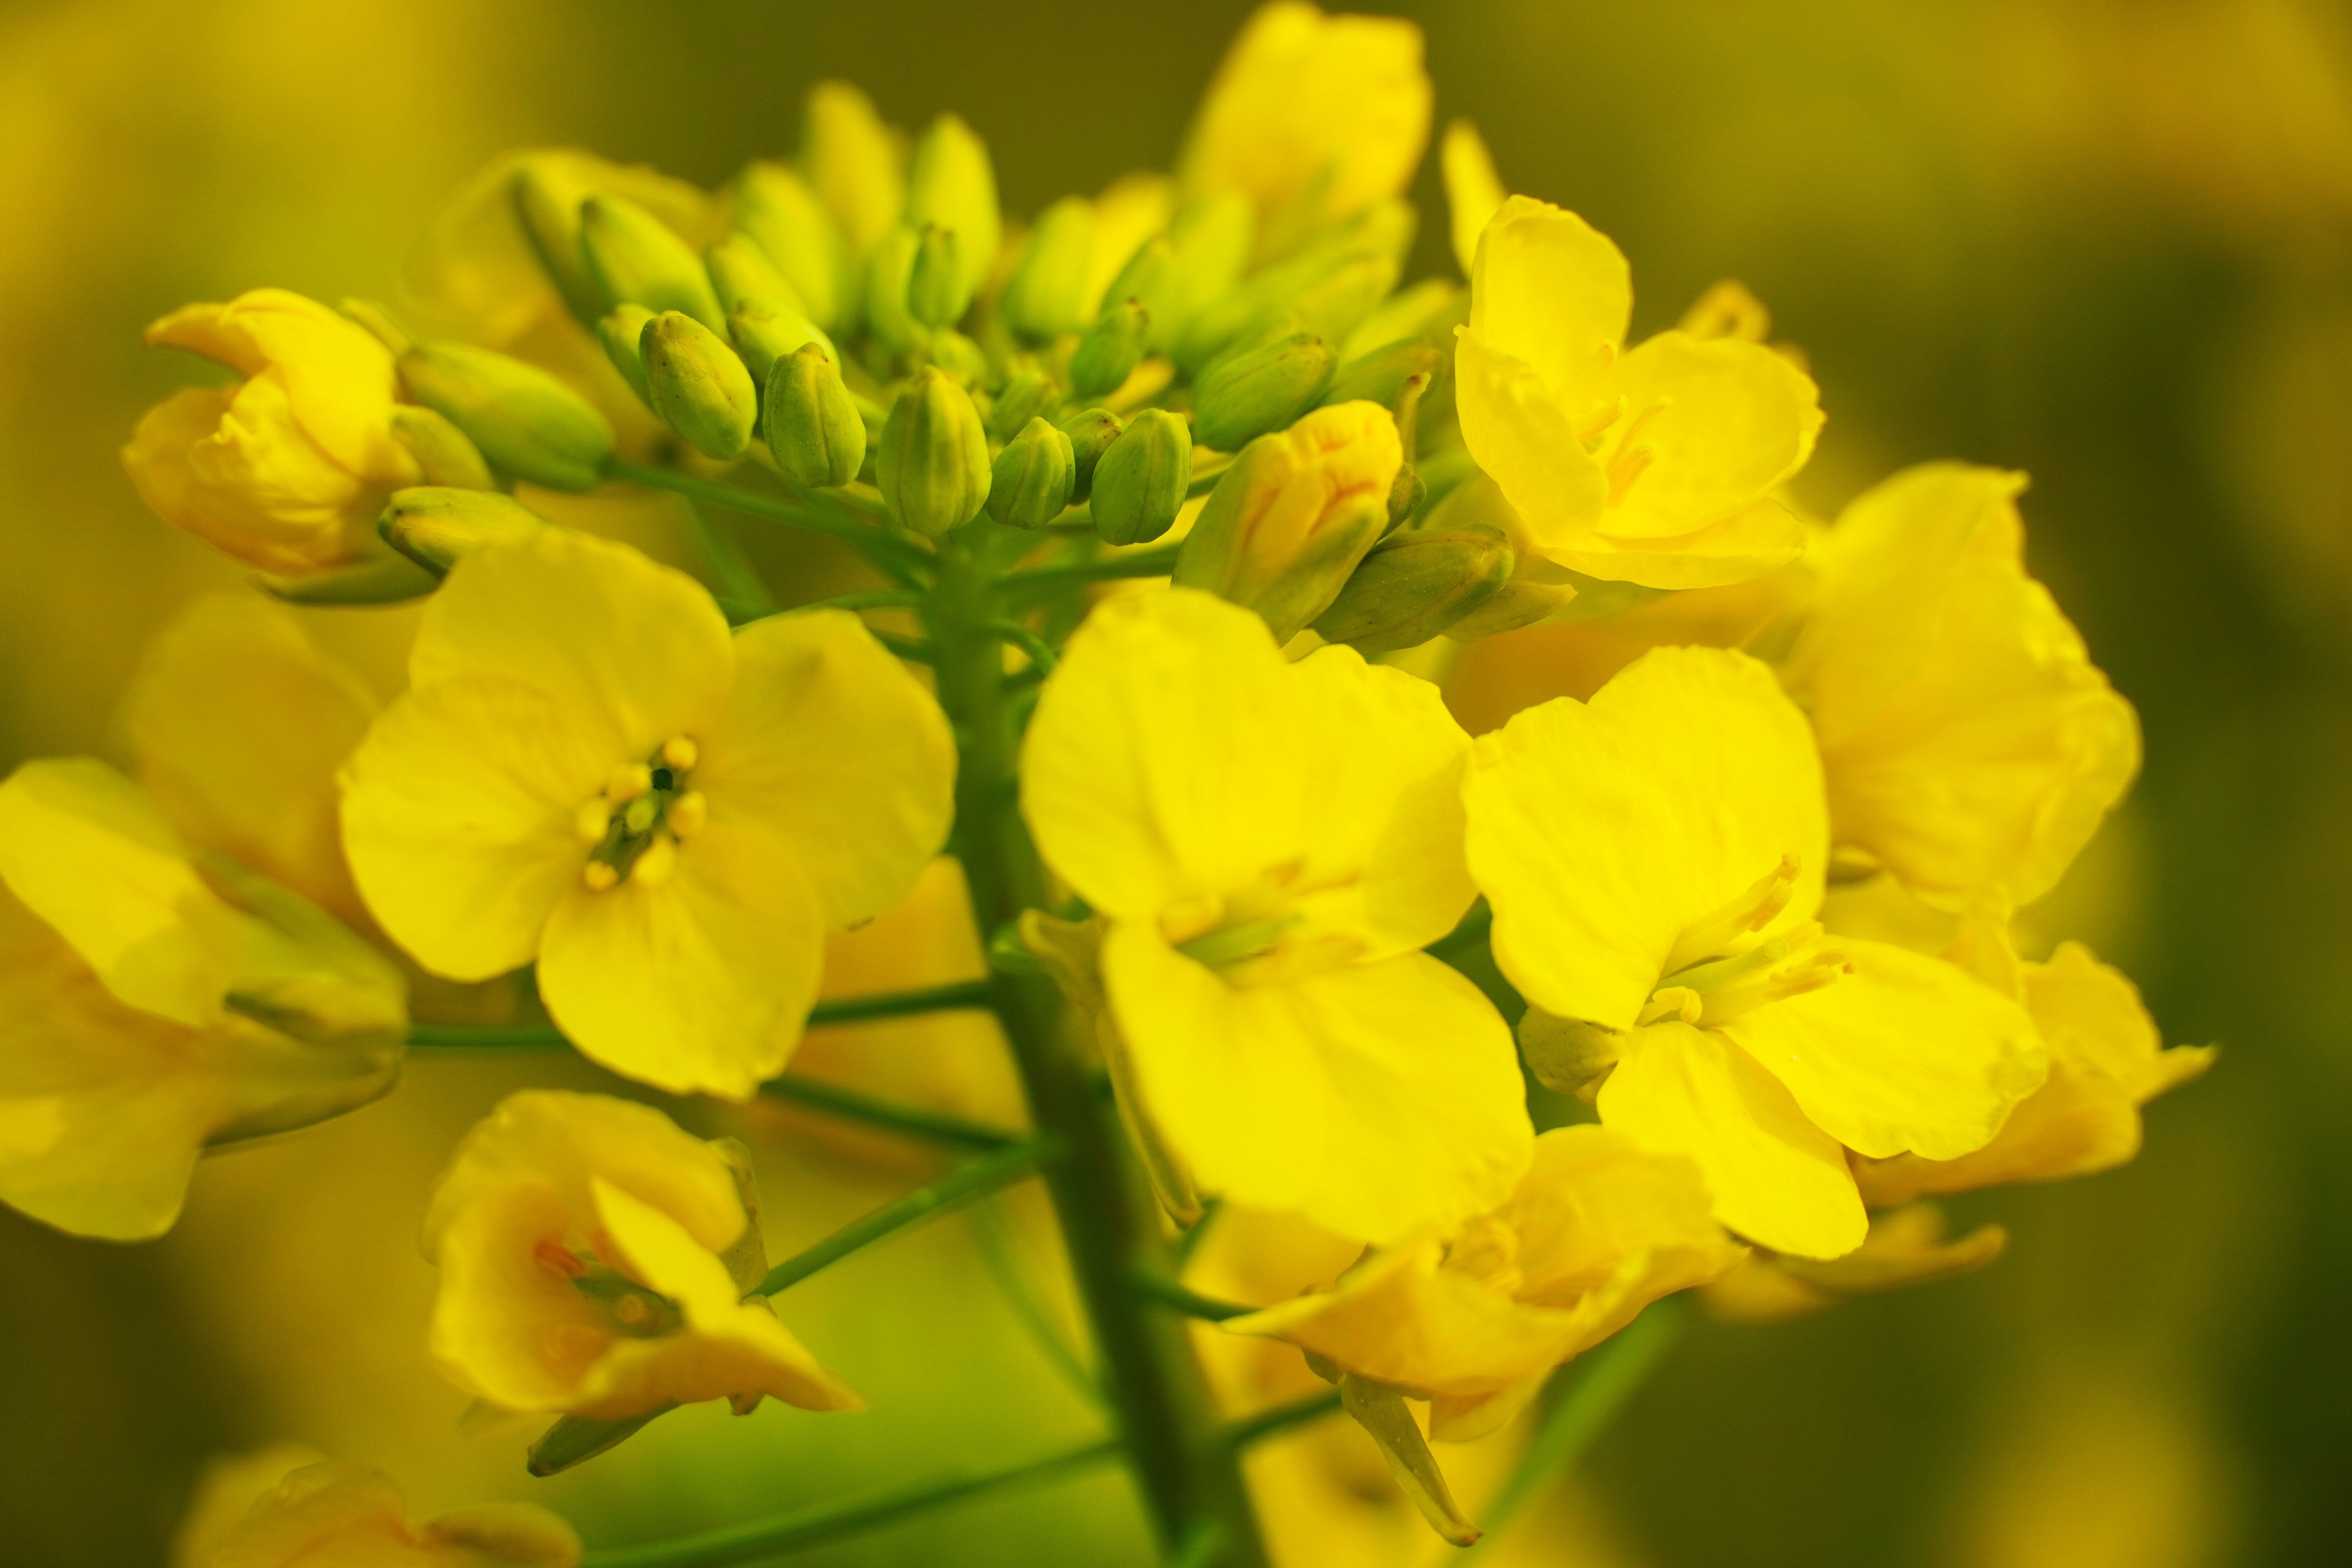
<point>1041,652</point>
<point>484,1037</point>
<point>739,580</point>
<point>1283,1417</point>
<point>893,555</point>
<point>961,994</point>
<point>828,1521</point>
<point>1474,928</point>
<point>1196,1232</point>
<point>911,648</point>
<point>1594,1389</point>
<point>1159,1287</point>
<point>867,599</point>
<point>1044,581</point>
<point>995,1237</point>
<point>1009,1164</point>
<point>889,1115</point>
<point>1201,1546</point>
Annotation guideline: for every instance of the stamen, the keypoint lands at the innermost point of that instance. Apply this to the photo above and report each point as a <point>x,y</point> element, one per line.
<point>681,752</point>
<point>1630,465</point>
<point>1597,422</point>
<point>554,1255</point>
<point>657,862</point>
<point>1235,942</point>
<point>1725,931</point>
<point>688,813</point>
<point>629,781</point>
<point>1677,1002</point>
<point>600,876</point>
<point>590,820</point>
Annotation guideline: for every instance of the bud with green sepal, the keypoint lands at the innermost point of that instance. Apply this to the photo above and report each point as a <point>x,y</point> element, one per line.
<point>937,292</point>
<point>1031,478</point>
<point>382,576</point>
<point>699,386</point>
<point>443,455</point>
<point>622,331</point>
<point>1109,350</point>
<point>785,216</point>
<point>1244,395</point>
<point>547,210</point>
<point>1027,395</point>
<point>1140,481</point>
<point>1045,296</point>
<point>1329,288</point>
<point>811,424</point>
<point>952,185</point>
<point>1379,376</point>
<point>964,361</point>
<point>527,425</point>
<point>1415,584</point>
<point>436,526</point>
<point>637,259</point>
<point>887,272</point>
<point>1091,432</point>
<point>1536,590</point>
<point>933,467</point>
<point>764,332</point>
<point>379,323</point>
<point>1211,238</point>
<point>742,273</point>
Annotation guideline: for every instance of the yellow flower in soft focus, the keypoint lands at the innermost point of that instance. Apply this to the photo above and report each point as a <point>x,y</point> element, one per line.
<point>1653,859</point>
<point>1272,845</point>
<point>289,469</point>
<point>1971,746</point>
<point>1906,1247</point>
<point>594,1259</point>
<point>1475,1322</point>
<point>1475,193</point>
<point>1314,118</point>
<point>338,1515</point>
<point>1653,465</point>
<point>588,770</point>
<point>153,1005</point>
<point>2106,1060</point>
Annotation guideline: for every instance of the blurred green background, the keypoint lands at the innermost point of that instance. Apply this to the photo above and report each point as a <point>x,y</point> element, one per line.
<point>2108,241</point>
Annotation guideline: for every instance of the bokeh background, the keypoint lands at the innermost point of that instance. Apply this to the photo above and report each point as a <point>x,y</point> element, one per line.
<point>2108,241</point>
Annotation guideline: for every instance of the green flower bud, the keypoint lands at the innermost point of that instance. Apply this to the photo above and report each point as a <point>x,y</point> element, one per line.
<point>1380,375</point>
<point>547,209</point>
<point>740,273</point>
<point>950,182</point>
<point>529,426</point>
<point>436,526</point>
<point>622,333</point>
<point>1031,482</point>
<point>887,272</point>
<point>1430,308</point>
<point>1091,432</point>
<point>1140,481</point>
<point>1024,398</point>
<point>1110,350</point>
<point>440,448</point>
<point>1415,584</point>
<point>1212,237</point>
<point>811,424</point>
<point>785,216</point>
<point>637,259</point>
<point>1244,395</point>
<point>1045,295</point>
<point>1149,278</point>
<point>1521,602</point>
<point>937,294</point>
<point>853,163</point>
<point>383,576</point>
<point>698,385</point>
<point>965,361</point>
<point>933,467</point>
<point>764,332</point>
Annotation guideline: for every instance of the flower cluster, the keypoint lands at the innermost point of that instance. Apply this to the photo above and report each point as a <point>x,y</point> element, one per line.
<point>1171,502</point>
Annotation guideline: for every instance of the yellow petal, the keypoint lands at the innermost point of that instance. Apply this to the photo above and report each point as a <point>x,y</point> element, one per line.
<point>458,816</point>
<point>1724,421</point>
<point>1473,191</point>
<point>1549,289</point>
<point>1741,548</point>
<point>231,466</point>
<point>1131,210</point>
<point>239,724</point>
<point>1777,1178</point>
<point>1906,1052</point>
<point>829,745</point>
<point>1525,437</point>
<point>697,985</point>
<point>322,1514</point>
<point>1375,1100</point>
<point>1593,1201</point>
<point>1601,832</point>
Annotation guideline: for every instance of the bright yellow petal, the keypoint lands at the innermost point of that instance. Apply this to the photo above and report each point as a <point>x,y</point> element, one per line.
<point>1741,548</point>
<point>1473,191</point>
<point>338,378</point>
<point>1376,1099</point>
<point>829,745</point>
<point>613,638</point>
<point>239,724</point>
<point>1526,439</point>
<point>1549,289</point>
<point>1723,421</point>
<point>232,467</point>
<point>1777,1178</point>
<point>1160,764</point>
<point>460,818</point>
<point>1601,832</point>
<point>700,983</point>
<point>1594,1199</point>
<point>1907,1052</point>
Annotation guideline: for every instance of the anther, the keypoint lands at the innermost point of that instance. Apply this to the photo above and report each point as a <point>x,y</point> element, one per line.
<point>681,752</point>
<point>688,812</point>
<point>600,877</point>
<point>590,820</point>
<point>629,781</point>
<point>659,860</point>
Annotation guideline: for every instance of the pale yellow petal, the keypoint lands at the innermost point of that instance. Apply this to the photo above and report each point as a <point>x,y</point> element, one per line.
<point>1473,191</point>
<point>1549,289</point>
<point>1594,1199</point>
<point>506,1327</point>
<point>1741,548</point>
<point>1777,1178</point>
<point>1374,1100</point>
<point>338,378</point>
<point>830,745</point>
<point>700,983</point>
<point>330,1515</point>
<point>1601,832</point>
<point>1722,422</point>
<point>230,466</point>
<point>1526,439</point>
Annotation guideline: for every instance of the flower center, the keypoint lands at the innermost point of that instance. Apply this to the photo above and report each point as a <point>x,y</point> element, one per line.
<point>1722,967</point>
<point>631,1310</point>
<point>1260,933</point>
<point>634,825</point>
<point>1488,1252</point>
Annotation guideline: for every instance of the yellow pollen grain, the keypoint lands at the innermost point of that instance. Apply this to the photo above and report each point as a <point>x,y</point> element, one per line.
<point>600,877</point>
<point>630,780</point>
<point>688,812</point>
<point>681,752</point>
<point>590,821</point>
<point>659,860</point>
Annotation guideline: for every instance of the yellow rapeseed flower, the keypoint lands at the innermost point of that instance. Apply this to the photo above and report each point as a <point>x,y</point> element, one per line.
<point>1475,1322</point>
<point>594,1259</point>
<point>1475,193</point>
<point>1653,465</point>
<point>588,770</point>
<point>1655,861</point>
<point>339,1515</point>
<point>1971,746</point>
<point>154,1005</point>
<point>289,469</point>
<point>1313,118</point>
<point>1272,845</point>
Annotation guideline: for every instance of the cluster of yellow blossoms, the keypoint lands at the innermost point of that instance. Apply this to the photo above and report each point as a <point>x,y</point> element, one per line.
<point>1158,489</point>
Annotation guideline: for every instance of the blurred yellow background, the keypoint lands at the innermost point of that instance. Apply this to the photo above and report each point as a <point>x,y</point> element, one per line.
<point>2108,241</point>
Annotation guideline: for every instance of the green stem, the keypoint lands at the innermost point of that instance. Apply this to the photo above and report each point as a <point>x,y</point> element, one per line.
<point>739,580</point>
<point>1044,581</point>
<point>867,599</point>
<point>1283,1417</point>
<point>1164,1291</point>
<point>1041,652</point>
<point>960,1186</point>
<point>997,1248</point>
<point>1168,1417</point>
<point>892,555</point>
<point>1597,1385</point>
<point>946,998</point>
<point>886,1114</point>
<point>832,1520</point>
<point>911,648</point>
